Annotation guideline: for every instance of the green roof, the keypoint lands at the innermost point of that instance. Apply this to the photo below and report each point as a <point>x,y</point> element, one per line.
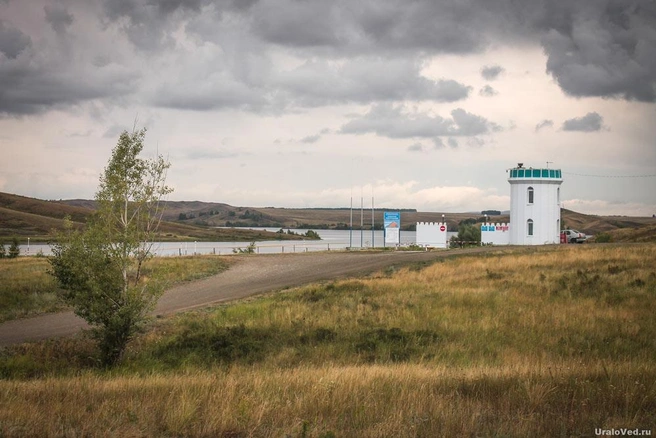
<point>523,173</point>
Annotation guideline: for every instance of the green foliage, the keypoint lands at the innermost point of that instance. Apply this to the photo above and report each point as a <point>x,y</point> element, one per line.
<point>100,269</point>
<point>312,235</point>
<point>14,249</point>
<point>3,251</point>
<point>468,234</point>
<point>603,238</point>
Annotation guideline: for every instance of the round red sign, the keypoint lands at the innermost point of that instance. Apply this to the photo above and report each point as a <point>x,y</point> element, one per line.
<point>442,228</point>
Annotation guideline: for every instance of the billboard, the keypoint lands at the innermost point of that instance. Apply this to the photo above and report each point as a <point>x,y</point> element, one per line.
<point>392,225</point>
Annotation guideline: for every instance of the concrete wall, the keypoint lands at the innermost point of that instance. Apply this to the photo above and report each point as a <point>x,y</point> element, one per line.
<point>432,234</point>
<point>495,234</point>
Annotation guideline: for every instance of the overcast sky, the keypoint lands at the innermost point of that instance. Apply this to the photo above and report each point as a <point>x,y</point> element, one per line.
<point>300,103</point>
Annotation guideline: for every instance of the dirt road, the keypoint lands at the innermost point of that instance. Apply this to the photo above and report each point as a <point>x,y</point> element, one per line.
<point>250,275</point>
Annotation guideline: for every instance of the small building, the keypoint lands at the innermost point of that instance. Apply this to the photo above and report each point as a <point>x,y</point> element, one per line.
<point>534,205</point>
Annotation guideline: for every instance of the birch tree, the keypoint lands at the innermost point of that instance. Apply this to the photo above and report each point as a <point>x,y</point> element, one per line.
<point>100,269</point>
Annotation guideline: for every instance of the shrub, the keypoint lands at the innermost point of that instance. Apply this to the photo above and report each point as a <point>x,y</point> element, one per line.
<point>603,238</point>
<point>14,249</point>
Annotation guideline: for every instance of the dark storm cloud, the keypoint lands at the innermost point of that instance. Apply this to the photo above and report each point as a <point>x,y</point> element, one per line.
<point>604,49</point>
<point>12,40</point>
<point>354,52</point>
<point>391,121</point>
<point>370,26</point>
<point>491,72</point>
<point>58,17</point>
<point>149,24</point>
<point>591,122</point>
<point>209,96</point>
<point>544,124</point>
<point>366,80</point>
<point>594,48</point>
<point>36,84</point>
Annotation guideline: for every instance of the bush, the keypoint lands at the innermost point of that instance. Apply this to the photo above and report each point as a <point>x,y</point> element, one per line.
<point>603,238</point>
<point>312,235</point>
<point>467,235</point>
<point>14,249</point>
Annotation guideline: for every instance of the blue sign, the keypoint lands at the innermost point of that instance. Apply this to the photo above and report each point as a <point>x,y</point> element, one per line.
<point>392,219</point>
<point>392,224</point>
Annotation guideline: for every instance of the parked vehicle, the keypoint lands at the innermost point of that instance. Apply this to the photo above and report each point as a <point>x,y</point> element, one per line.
<point>574,236</point>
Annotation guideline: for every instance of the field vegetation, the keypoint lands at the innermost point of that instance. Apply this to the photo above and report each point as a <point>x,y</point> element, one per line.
<point>515,343</point>
<point>28,290</point>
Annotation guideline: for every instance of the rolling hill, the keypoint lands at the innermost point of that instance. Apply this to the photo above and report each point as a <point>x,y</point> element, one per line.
<point>195,220</point>
<point>37,219</point>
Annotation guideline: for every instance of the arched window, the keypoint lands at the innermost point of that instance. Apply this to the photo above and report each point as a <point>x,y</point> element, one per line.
<point>529,227</point>
<point>530,195</point>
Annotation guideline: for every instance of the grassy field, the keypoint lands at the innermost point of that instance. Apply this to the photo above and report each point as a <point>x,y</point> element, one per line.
<point>27,289</point>
<point>554,343</point>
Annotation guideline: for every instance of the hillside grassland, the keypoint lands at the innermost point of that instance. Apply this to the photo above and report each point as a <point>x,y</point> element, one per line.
<point>24,218</point>
<point>555,342</point>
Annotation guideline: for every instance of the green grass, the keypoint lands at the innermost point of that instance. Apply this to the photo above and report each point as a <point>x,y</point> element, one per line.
<point>27,289</point>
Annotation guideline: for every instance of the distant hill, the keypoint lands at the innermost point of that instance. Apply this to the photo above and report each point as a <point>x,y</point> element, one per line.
<point>593,224</point>
<point>220,214</point>
<point>642,234</point>
<point>194,220</point>
<point>24,217</point>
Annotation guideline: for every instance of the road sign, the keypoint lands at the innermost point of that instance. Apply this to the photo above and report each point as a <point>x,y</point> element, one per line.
<point>392,225</point>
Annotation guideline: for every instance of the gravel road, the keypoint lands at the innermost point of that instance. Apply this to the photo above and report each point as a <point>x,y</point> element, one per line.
<point>250,275</point>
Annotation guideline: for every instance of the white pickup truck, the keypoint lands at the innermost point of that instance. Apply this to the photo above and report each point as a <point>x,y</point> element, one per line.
<point>574,236</point>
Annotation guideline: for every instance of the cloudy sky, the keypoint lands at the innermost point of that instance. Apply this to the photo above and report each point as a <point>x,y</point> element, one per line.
<point>300,103</point>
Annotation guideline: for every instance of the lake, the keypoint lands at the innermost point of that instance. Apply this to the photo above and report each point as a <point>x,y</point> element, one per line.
<point>330,240</point>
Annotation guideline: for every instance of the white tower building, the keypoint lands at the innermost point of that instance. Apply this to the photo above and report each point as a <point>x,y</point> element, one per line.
<point>534,205</point>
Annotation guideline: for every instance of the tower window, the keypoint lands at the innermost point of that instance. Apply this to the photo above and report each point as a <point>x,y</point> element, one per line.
<point>529,227</point>
<point>530,195</point>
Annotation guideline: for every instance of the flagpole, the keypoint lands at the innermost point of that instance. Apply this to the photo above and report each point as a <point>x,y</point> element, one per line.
<point>373,243</point>
<point>351,223</point>
<point>361,218</point>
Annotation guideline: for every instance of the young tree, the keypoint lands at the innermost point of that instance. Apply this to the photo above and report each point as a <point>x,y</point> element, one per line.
<point>14,249</point>
<point>100,269</point>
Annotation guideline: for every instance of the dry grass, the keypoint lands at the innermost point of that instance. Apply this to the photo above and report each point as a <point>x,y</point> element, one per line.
<point>550,343</point>
<point>403,400</point>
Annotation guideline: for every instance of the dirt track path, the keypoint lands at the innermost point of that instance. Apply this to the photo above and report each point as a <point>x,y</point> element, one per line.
<point>250,275</point>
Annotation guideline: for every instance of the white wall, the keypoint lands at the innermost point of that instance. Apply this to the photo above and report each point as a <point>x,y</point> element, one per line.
<point>432,234</point>
<point>545,211</point>
<point>495,233</point>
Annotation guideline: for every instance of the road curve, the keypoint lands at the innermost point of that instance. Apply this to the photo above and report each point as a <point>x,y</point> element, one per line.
<point>250,275</point>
